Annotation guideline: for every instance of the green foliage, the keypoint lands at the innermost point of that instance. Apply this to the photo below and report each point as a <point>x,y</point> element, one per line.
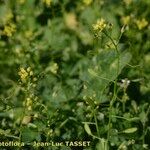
<point>75,71</point>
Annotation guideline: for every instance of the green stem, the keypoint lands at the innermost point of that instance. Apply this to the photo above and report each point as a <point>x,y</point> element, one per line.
<point>115,84</point>
<point>124,104</point>
<point>23,114</point>
<point>96,123</point>
<point>144,127</point>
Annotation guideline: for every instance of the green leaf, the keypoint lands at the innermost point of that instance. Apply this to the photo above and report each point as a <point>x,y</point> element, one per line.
<point>30,135</point>
<point>130,130</point>
<point>102,70</point>
<point>134,119</point>
<point>87,128</point>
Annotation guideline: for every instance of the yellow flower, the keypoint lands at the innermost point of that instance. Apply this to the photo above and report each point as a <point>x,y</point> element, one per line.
<point>100,25</point>
<point>141,23</point>
<point>54,67</point>
<point>23,75</point>
<point>47,2</point>
<point>127,2</point>
<point>28,69</point>
<point>27,75</point>
<point>87,2</point>
<point>126,20</point>
<point>28,102</point>
<point>9,29</point>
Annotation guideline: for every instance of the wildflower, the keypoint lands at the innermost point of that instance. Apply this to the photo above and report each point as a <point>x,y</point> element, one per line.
<point>23,74</point>
<point>127,2</point>
<point>126,20</point>
<point>87,2</point>
<point>47,2</point>
<point>49,133</point>
<point>125,83</point>
<point>30,72</point>
<point>9,29</point>
<point>141,23</point>
<point>28,69</point>
<point>29,101</point>
<point>88,115</point>
<point>54,68</point>
<point>122,146</point>
<point>100,25</point>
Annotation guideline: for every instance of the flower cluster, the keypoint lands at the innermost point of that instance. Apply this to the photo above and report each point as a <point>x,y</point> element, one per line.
<point>47,2</point>
<point>25,74</point>
<point>125,83</point>
<point>87,2</point>
<point>28,103</point>
<point>130,19</point>
<point>100,25</point>
<point>54,67</point>
<point>126,20</point>
<point>8,26</point>
<point>127,2</point>
<point>9,29</point>
<point>141,23</point>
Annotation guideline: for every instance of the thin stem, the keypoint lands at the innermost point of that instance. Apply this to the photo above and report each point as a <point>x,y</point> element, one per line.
<point>144,127</point>
<point>115,45</point>
<point>115,83</point>
<point>96,123</point>
<point>123,106</point>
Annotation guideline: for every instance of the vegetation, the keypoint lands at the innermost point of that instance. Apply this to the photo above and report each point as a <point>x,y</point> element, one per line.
<point>75,72</point>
